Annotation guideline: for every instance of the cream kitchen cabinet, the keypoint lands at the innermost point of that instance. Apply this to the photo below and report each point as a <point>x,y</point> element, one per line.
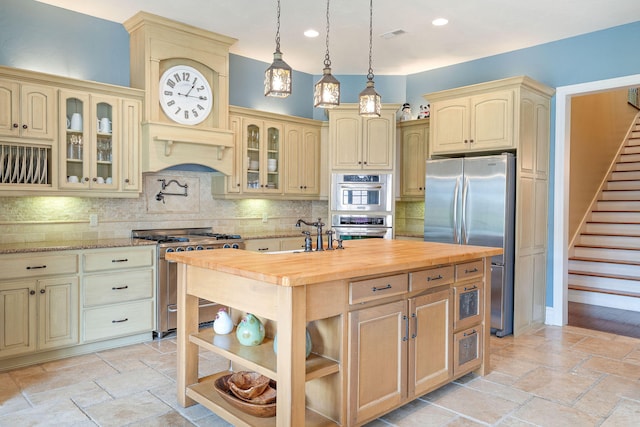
<point>358,143</point>
<point>476,123</point>
<point>510,114</point>
<point>27,111</point>
<point>119,292</point>
<point>103,153</point>
<point>414,152</point>
<point>39,303</point>
<point>302,160</point>
<point>276,157</point>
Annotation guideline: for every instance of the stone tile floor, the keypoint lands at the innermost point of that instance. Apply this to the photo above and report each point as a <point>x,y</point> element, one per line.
<point>550,377</point>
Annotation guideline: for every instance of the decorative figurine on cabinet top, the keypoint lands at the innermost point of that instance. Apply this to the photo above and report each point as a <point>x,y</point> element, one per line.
<point>425,111</point>
<point>250,330</point>
<point>223,324</point>
<point>406,112</point>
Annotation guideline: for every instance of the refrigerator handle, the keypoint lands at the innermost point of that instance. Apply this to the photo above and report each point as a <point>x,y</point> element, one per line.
<point>465,190</point>
<point>454,214</point>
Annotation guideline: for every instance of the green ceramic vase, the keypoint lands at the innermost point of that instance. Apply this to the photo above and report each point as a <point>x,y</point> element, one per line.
<point>308,344</point>
<point>250,331</point>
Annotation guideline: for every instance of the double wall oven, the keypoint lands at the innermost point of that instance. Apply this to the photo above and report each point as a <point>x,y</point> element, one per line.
<point>362,206</point>
<point>179,240</point>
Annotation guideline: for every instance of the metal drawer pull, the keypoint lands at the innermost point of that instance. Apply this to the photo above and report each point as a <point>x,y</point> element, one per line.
<point>438,277</point>
<point>120,260</point>
<point>406,337</point>
<point>120,321</point>
<point>470,333</point>
<point>475,270</point>
<point>381,289</point>
<point>415,330</point>
<point>36,267</point>
<point>118,288</point>
<point>471,288</point>
<point>211,304</point>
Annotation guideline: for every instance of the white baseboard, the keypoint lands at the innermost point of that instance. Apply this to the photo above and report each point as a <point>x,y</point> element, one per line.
<point>554,317</point>
<point>605,300</point>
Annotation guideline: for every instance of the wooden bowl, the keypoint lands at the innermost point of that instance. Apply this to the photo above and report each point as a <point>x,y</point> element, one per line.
<point>257,410</point>
<point>247,385</point>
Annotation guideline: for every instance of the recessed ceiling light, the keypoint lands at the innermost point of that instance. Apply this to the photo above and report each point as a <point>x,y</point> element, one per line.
<point>311,33</point>
<point>439,22</point>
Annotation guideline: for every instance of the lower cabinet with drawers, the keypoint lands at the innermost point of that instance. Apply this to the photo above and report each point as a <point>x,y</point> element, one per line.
<point>63,303</point>
<point>412,333</point>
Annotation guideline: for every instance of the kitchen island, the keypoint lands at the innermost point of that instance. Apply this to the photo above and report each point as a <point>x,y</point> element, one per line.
<point>390,321</point>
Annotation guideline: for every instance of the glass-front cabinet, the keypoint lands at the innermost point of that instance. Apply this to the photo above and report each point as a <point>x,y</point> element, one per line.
<point>89,158</point>
<point>262,145</point>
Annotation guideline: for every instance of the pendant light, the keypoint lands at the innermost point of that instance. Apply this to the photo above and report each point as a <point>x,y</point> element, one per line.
<point>326,93</point>
<point>277,78</point>
<point>370,101</point>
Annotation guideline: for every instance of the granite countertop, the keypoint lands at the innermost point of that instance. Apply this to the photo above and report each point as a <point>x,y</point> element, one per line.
<point>66,245</point>
<point>359,258</point>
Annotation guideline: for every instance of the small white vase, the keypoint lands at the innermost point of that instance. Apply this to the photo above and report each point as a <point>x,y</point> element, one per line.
<point>223,324</point>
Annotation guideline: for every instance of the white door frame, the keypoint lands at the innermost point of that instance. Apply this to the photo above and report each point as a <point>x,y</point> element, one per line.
<point>557,313</point>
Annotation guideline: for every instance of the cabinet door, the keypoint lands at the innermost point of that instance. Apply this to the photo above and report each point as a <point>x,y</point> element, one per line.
<point>302,160</point>
<point>430,336</point>
<point>414,154</point>
<point>130,176</point>
<point>492,121</point>
<point>377,360</point>
<point>262,145</point>
<point>262,245</point>
<point>9,108</point>
<point>74,154</point>
<point>234,181</point>
<point>346,140</point>
<point>38,115</point>
<point>106,129</point>
<point>17,311</point>
<point>450,125</point>
<point>58,307</point>
<point>377,146</point>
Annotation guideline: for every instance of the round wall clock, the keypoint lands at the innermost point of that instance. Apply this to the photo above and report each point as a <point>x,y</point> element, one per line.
<point>185,95</point>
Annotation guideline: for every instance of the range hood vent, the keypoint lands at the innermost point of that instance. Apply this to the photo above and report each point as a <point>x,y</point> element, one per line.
<point>165,146</point>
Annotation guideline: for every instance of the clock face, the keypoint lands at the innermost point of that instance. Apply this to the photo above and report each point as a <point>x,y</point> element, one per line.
<point>185,95</point>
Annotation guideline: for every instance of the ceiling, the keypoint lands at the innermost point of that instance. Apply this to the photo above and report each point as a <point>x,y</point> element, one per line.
<point>476,29</point>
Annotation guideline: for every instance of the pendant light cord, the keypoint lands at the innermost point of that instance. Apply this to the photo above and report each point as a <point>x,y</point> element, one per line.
<point>327,60</point>
<point>370,74</point>
<point>278,29</point>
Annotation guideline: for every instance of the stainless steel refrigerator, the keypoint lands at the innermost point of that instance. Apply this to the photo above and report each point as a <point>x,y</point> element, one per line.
<point>471,201</point>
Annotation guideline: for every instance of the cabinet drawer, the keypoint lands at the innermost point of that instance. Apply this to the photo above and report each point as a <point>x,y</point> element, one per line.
<point>380,287</point>
<point>118,259</point>
<point>117,287</point>
<point>24,265</point>
<point>469,270</point>
<point>117,320</point>
<point>467,305</point>
<point>467,350</point>
<point>430,278</point>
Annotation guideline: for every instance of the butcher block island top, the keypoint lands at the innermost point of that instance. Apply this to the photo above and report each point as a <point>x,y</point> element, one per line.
<point>383,318</point>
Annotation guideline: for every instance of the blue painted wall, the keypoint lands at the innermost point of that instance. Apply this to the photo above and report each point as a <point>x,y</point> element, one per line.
<point>44,38</point>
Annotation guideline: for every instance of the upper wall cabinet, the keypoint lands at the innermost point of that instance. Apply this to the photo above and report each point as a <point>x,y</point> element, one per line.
<point>277,157</point>
<point>27,111</point>
<point>358,143</point>
<point>414,150</point>
<point>60,136</point>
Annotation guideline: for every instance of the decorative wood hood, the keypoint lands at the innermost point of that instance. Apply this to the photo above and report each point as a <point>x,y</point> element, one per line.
<point>156,44</point>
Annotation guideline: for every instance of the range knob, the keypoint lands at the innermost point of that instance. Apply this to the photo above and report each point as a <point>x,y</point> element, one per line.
<point>235,246</point>
<point>199,248</point>
<point>180,249</point>
<point>226,246</point>
<point>190,248</point>
<point>170,250</point>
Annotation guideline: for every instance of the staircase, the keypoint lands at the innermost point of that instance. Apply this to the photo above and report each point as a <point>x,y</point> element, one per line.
<point>606,256</point>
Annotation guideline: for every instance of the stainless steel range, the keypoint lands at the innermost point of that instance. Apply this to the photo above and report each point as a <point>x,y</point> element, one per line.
<point>179,240</point>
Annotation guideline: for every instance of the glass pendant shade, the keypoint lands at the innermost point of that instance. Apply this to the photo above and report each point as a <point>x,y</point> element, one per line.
<point>326,93</point>
<point>277,78</point>
<point>370,101</point>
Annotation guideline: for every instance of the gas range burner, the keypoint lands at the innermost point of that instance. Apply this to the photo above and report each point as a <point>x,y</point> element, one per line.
<point>163,239</point>
<point>219,236</point>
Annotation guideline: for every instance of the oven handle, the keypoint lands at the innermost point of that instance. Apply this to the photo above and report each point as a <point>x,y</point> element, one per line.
<point>361,187</point>
<point>363,232</point>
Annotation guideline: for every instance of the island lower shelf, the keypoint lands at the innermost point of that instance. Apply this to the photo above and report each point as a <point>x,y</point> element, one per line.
<point>204,393</point>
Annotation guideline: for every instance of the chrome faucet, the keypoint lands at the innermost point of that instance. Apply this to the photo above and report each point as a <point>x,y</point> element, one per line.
<point>318,224</point>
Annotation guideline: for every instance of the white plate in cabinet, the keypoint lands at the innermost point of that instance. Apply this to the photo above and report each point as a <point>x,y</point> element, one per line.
<point>117,287</point>
<point>118,320</point>
<point>118,259</point>
<point>19,266</point>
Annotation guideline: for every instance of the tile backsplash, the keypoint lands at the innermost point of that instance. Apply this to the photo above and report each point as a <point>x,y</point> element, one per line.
<point>32,219</point>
